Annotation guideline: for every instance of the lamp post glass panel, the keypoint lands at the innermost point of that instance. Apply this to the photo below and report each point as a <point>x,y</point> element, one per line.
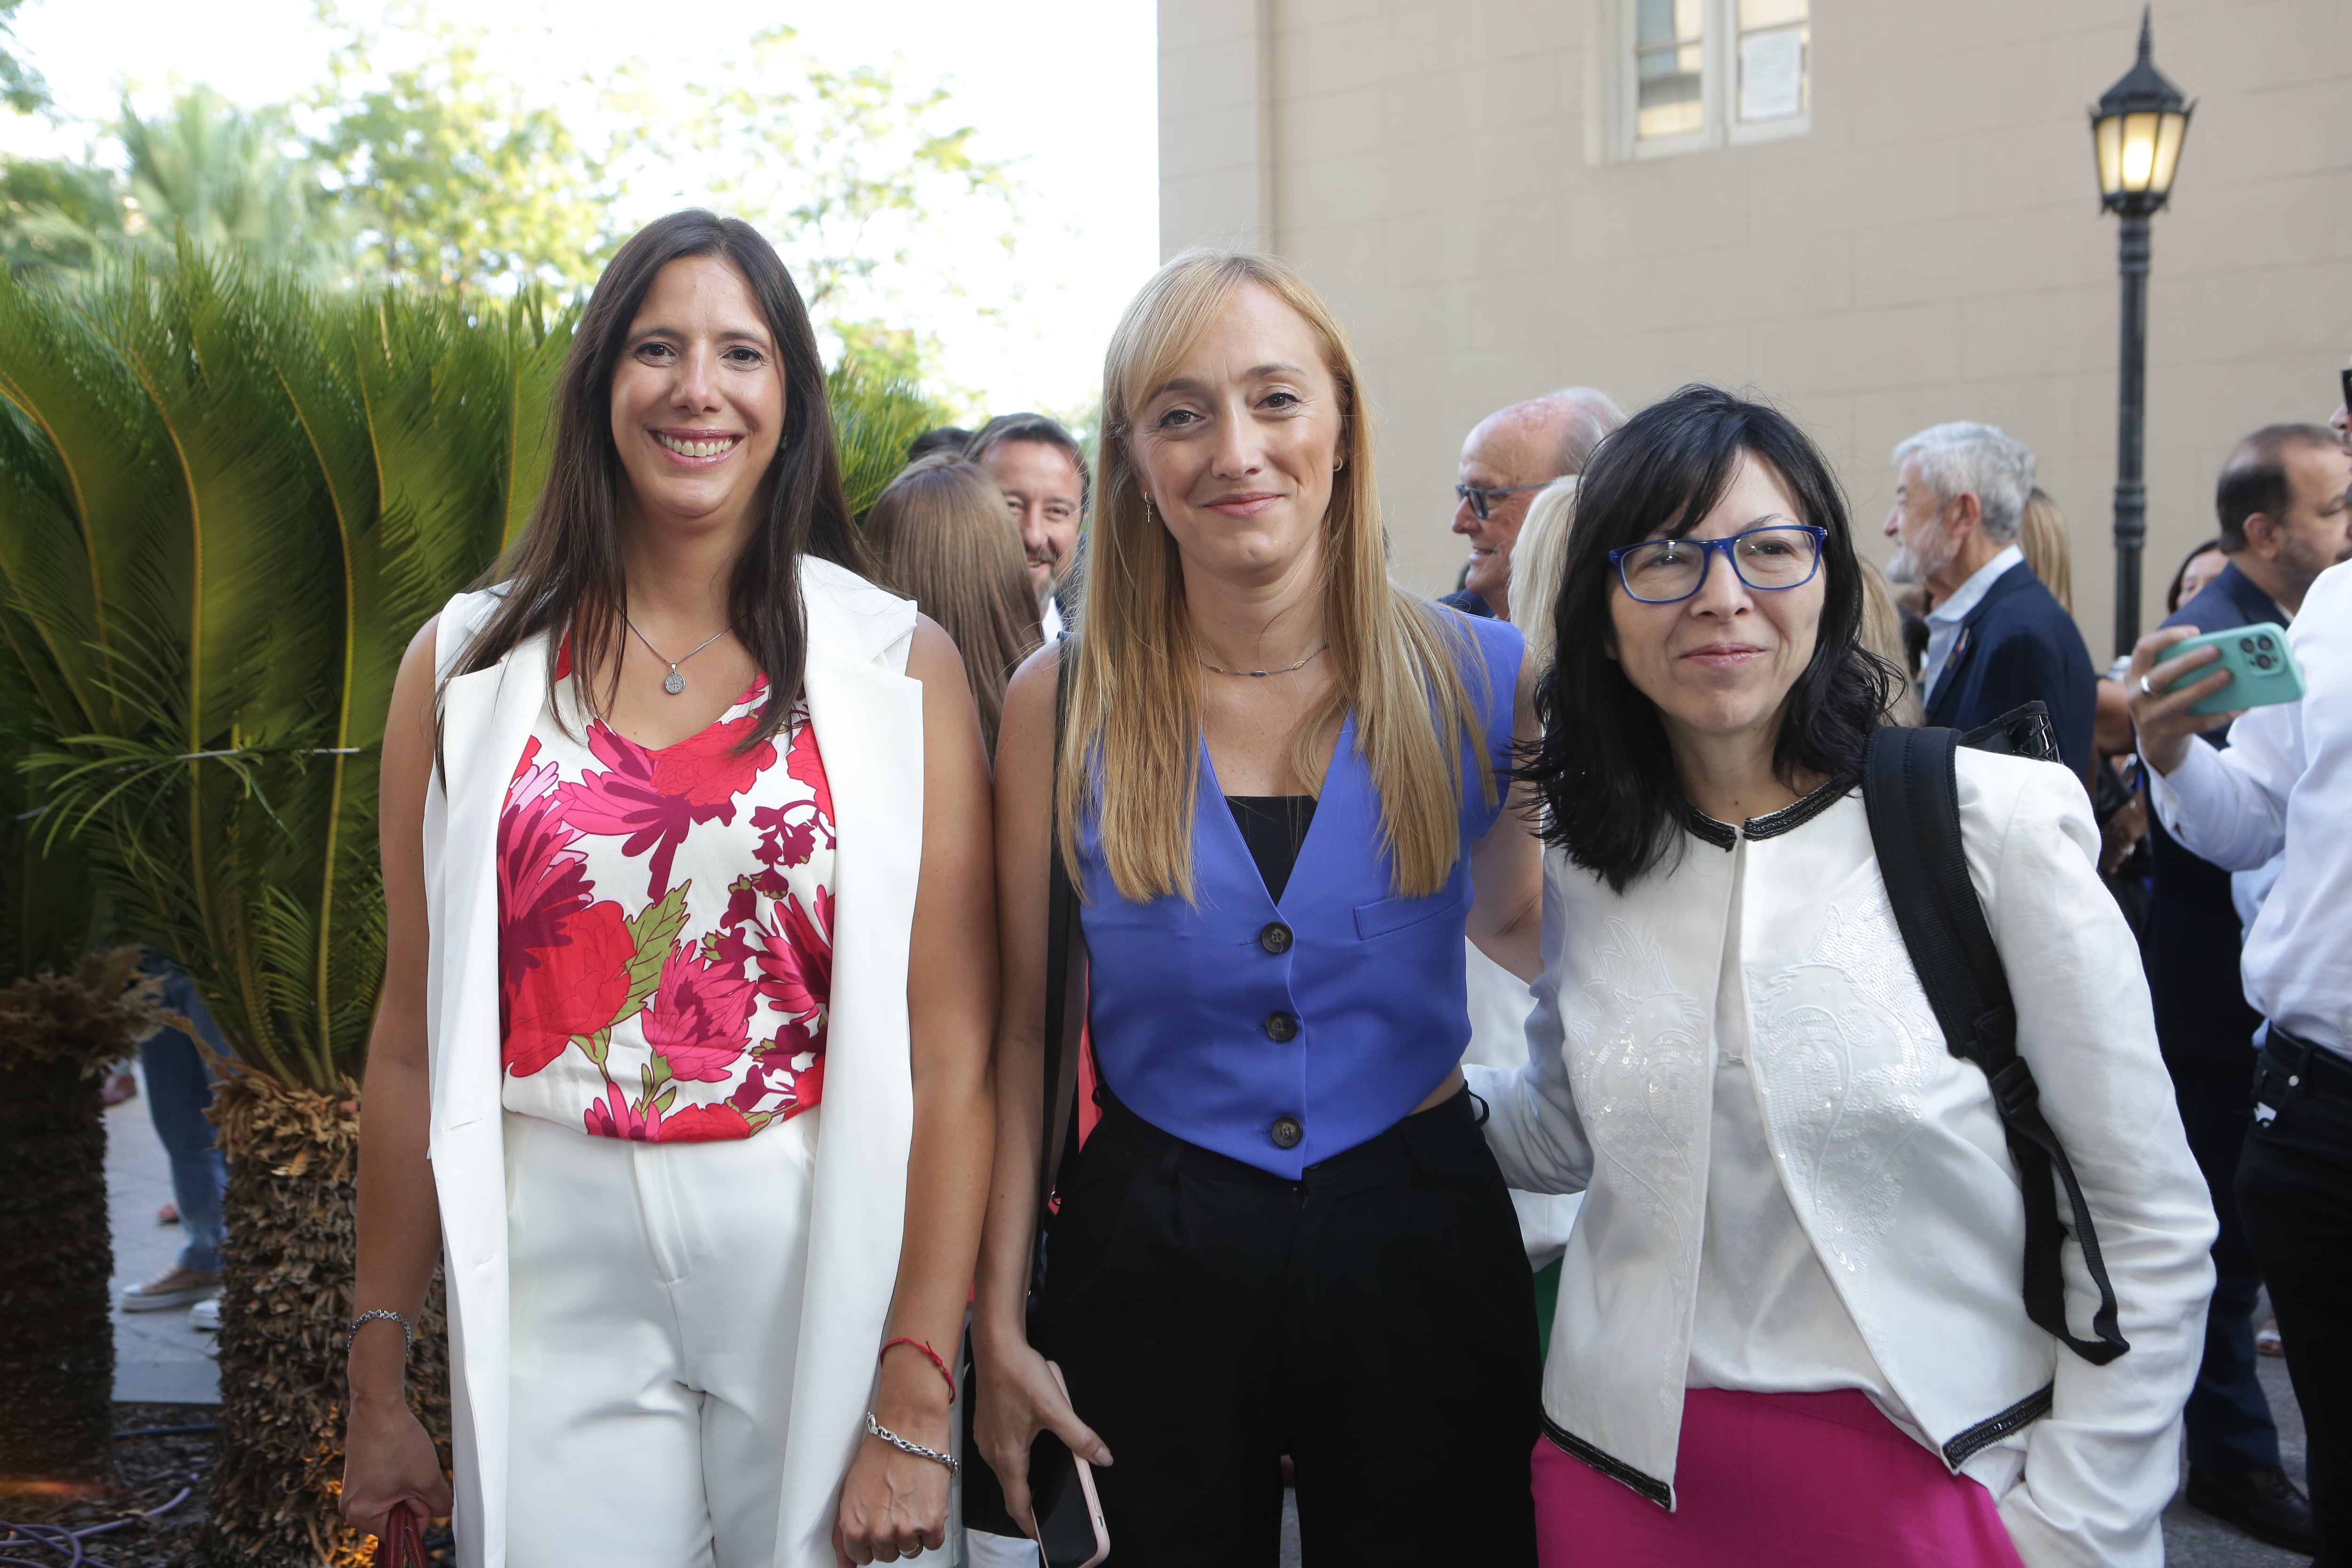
<point>2136,131</point>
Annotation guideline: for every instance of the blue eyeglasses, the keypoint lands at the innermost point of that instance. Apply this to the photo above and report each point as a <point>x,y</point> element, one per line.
<point>1779,556</point>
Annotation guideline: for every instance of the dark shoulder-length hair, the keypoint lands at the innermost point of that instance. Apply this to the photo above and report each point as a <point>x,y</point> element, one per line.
<point>564,574</point>
<point>1606,775</point>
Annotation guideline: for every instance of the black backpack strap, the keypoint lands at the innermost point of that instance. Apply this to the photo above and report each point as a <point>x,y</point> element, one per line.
<point>1065,977</point>
<point>1912,792</point>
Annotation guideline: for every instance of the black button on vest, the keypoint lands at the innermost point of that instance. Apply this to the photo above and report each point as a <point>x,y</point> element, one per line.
<point>1281,1027</point>
<point>1274,938</point>
<point>1287,1132</point>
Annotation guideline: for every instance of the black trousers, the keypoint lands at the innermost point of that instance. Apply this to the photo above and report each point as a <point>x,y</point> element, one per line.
<point>2231,1431</point>
<point>1374,1320</point>
<point>2295,1195</point>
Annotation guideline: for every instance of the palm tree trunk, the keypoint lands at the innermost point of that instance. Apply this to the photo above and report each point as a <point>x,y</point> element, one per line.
<point>286,1310</point>
<point>56,1340</point>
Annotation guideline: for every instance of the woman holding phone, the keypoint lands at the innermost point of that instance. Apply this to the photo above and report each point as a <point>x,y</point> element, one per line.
<point>1282,802</point>
<point>667,805</point>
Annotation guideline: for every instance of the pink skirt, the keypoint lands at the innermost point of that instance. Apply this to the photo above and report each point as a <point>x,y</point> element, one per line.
<point>1773,1481</point>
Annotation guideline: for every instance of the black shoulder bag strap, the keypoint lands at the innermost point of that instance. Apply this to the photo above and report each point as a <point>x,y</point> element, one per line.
<point>1066,985</point>
<point>1913,797</point>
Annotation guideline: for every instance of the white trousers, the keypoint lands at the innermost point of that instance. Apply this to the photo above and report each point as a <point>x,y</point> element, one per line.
<point>655,1310</point>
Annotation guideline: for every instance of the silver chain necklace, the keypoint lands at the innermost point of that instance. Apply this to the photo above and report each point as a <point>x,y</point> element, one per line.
<point>673,682</point>
<point>1285,670</point>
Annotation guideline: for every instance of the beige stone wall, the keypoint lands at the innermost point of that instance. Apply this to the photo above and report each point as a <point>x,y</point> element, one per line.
<point>1930,250</point>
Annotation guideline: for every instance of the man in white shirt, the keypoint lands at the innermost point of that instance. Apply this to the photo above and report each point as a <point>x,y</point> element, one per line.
<point>1042,470</point>
<point>1997,640</point>
<point>2285,783</point>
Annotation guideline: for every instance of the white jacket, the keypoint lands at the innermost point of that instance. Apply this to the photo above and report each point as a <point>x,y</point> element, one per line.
<point>1889,1147</point>
<point>869,714</point>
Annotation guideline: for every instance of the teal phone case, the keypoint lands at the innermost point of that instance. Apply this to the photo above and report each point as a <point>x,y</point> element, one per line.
<point>2261,670</point>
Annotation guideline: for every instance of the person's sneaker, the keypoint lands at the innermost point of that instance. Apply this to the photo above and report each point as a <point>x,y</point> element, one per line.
<point>176,1287</point>
<point>2268,1341</point>
<point>168,1214</point>
<point>204,1316</point>
<point>2263,1503</point>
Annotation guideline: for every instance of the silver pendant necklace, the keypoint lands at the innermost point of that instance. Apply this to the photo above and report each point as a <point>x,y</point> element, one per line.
<point>673,682</point>
<point>1285,670</point>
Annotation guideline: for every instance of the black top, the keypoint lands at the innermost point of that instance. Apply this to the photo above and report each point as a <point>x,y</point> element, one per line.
<point>1273,827</point>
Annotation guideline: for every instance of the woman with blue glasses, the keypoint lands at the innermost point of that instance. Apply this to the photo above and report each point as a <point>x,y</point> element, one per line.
<point>1790,1328</point>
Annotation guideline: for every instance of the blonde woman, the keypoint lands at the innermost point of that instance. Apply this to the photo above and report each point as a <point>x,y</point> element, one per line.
<point>941,538</point>
<point>1281,805</point>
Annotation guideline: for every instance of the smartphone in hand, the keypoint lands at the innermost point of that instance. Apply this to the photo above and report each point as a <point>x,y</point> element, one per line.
<point>2261,670</point>
<point>1070,1529</point>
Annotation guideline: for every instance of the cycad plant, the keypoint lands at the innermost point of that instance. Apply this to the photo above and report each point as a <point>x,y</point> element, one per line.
<point>876,416</point>
<point>225,505</point>
<point>63,1018</point>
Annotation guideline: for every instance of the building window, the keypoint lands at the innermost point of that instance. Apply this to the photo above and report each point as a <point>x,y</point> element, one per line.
<point>1708,72</point>
<point>1669,67</point>
<point>1774,36</point>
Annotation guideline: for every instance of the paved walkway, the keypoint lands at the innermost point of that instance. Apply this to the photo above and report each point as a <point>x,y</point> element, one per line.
<point>158,1357</point>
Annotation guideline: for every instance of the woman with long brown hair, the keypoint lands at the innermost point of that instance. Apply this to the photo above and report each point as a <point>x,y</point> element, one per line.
<point>941,537</point>
<point>666,804</point>
<point>1282,803</point>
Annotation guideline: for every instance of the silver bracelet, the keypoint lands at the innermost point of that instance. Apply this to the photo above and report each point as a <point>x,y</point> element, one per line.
<point>407,1335</point>
<point>903,1447</point>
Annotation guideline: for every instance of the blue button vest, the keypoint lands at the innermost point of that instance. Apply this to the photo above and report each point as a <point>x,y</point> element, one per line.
<point>1180,994</point>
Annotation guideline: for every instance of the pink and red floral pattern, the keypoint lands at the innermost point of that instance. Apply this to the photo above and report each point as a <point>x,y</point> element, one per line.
<point>665,927</point>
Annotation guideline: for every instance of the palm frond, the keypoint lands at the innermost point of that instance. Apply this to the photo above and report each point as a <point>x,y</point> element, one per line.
<point>225,505</point>
<point>875,418</point>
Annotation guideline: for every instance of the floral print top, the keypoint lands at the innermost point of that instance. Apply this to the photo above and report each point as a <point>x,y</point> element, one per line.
<point>665,926</point>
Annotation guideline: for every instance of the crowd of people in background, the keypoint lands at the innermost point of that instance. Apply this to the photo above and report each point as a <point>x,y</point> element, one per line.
<point>1074,1001</point>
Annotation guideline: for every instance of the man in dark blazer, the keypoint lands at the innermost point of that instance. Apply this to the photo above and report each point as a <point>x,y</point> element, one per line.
<point>1997,640</point>
<point>2284,511</point>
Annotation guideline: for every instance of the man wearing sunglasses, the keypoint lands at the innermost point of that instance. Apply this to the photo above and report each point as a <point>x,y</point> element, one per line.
<point>1511,455</point>
<point>1997,640</point>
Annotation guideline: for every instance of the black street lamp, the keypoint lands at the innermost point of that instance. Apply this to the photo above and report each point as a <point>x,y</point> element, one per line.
<point>2137,131</point>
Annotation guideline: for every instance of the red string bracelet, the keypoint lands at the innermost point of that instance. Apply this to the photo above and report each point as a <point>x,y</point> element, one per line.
<point>928,1351</point>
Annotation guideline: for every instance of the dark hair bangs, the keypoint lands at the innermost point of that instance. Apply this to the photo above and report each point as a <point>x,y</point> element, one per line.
<point>1603,768</point>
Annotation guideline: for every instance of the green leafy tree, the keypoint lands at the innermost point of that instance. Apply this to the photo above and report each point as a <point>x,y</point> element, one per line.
<point>224,177</point>
<point>850,174</point>
<point>21,87</point>
<point>227,179</point>
<point>57,218</point>
<point>450,176</point>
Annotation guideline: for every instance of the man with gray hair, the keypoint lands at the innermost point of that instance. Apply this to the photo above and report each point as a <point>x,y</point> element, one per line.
<point>1507,457</point>
<point>1997,640</point>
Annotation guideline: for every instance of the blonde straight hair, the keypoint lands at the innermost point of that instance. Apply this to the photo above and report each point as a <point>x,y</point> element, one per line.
<point>2042,538</point>
<point>1539,559</point>
<point>1135,707</point>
